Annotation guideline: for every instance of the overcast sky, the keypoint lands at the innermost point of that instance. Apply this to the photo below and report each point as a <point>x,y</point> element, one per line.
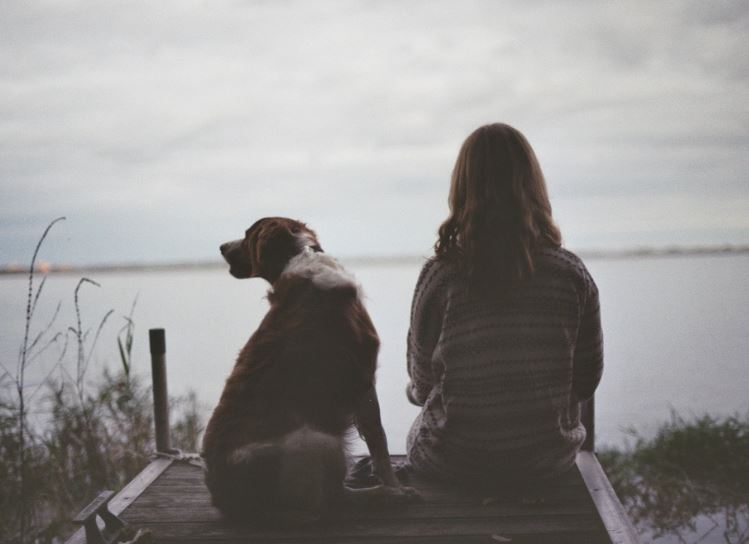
<point>161,129</point>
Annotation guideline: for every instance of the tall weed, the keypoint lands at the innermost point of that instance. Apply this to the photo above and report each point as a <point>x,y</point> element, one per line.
<point>88,434</point>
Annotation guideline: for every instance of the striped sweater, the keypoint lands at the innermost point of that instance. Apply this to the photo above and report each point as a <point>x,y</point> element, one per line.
<point>501,377</point>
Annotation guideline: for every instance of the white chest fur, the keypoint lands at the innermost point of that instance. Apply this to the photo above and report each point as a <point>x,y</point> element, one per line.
<point>324,271</point>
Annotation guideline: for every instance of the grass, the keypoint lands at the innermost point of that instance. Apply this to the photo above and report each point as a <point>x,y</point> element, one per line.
<point>87,434</point>
<point>690,471</point>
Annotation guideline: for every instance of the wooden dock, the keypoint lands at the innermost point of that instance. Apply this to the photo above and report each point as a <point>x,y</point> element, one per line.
<point>169,498</point>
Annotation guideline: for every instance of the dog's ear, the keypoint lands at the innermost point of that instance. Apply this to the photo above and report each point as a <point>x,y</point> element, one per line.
<point>272,242</point>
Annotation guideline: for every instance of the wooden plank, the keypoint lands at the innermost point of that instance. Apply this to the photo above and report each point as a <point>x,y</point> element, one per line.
<point>610,509</point>
<point>200,509</point>
<point>175,502</point>
<point>436,495</point>
<point>93,507</point>
<point>385,528</point>
<point>143,513</point>
<point>581,537</point>
<point>194,496</point>
<point>186,474</point>
<point>128,494</point>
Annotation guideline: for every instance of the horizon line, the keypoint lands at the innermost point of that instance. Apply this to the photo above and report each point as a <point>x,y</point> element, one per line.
<point>198,264</point>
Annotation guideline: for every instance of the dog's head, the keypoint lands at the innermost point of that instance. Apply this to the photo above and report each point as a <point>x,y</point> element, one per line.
<point>267,247</point>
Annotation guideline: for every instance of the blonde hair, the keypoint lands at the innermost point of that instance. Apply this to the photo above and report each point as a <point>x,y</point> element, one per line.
<point>499,207</point>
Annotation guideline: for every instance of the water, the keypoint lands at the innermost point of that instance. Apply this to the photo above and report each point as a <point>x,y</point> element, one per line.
<point>675,332</point>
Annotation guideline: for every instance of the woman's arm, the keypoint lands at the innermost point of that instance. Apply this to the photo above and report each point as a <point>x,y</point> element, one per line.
<point>588,361</point>
<point>427,312</point>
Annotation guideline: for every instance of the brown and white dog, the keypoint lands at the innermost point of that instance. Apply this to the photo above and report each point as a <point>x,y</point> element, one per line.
<point>274,447</point>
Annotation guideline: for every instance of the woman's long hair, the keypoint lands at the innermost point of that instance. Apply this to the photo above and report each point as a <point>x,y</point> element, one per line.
<point>499,208</point>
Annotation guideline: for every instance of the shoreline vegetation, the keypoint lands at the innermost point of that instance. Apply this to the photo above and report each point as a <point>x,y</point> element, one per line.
<point>688,483</point>
<point>386,260</point>
<point>66,439</point>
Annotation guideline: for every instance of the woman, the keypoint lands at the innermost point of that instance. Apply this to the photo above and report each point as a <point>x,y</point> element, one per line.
<point>505,339</point>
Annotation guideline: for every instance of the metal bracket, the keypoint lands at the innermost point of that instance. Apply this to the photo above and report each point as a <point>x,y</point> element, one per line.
<point>88,518</point>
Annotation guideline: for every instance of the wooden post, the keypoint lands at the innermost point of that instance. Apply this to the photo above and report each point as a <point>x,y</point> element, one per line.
<point>587,417</point>
<point>157,341</point>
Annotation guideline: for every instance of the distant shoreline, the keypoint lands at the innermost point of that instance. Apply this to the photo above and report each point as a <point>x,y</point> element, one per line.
<point>633,253</point>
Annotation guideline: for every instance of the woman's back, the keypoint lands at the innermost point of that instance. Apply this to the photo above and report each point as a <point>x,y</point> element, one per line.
<point>501,372</point>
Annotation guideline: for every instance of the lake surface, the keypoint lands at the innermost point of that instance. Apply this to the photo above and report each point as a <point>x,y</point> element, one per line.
<point>676,332</point>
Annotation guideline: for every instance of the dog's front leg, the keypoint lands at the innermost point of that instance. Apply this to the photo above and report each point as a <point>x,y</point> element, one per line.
<point>367,418</point>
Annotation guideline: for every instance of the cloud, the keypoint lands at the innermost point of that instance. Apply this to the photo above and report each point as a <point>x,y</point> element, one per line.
<point>143,122</point>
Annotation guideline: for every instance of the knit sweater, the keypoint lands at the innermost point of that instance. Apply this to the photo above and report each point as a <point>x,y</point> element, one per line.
<point>501,376</point>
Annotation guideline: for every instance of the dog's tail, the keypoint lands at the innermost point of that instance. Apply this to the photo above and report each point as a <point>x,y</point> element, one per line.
<point>247,481</point>
<point>293,480</point>
<point>311,474</point>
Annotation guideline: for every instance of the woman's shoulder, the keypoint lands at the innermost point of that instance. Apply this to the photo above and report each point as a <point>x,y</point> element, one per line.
<point>437,270</point>
<point>559,254</point>
<point>440,265</point>
<point>564,261</point>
